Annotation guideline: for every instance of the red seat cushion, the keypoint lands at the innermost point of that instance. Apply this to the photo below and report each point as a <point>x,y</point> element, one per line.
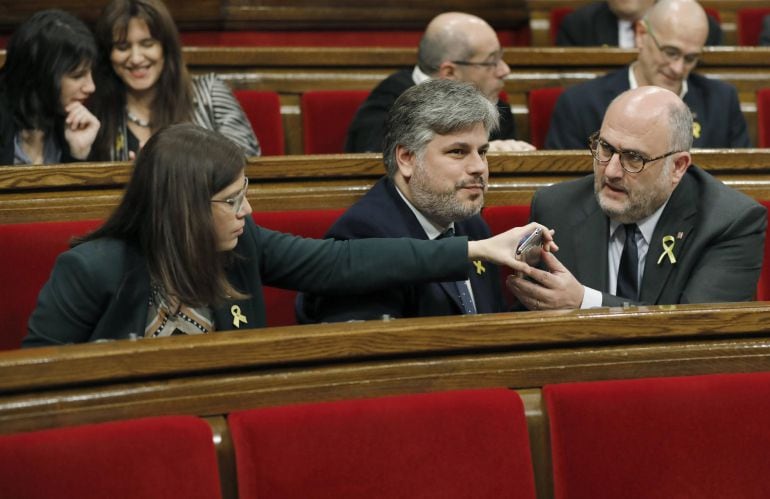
<point>263,109</point>
<point>763,117</point>
<point>556,16</point>
<point>699,436</point>
<point>326,116</point>
<point>448,445</point>
<point>163,457</point>
<point>541,102</point>
<point>28,253</point>
<point>279,303</point>
<point>750,25</point>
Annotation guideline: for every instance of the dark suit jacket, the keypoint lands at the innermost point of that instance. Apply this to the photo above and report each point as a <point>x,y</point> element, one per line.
<point>579,112</point>
<point>718,257</point>
<point>382,213</point>
<point>367,130</point>
<point>595,25</point>
<point>100,289</point>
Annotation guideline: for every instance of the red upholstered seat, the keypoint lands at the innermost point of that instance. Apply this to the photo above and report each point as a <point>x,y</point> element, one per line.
<point>699,436</point>
<point>326,115</point>
<point>556,16</point>
<point>264,112</point>
<point>763,117</point>
<point>164,457</point>
<point>464,444</point>
<point>541,102</point>
<point>749,22</point>
<point>279,303</point>
<point>27,255</point>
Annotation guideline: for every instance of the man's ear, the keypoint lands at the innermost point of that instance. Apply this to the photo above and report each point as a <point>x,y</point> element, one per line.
<point>682,161</point>
<point>640,29</point>
<point>406,161</point>
<point>447,71</point>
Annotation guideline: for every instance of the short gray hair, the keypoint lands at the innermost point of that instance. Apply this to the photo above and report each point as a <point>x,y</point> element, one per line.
<point>680,122</point>
<point>436,107</point>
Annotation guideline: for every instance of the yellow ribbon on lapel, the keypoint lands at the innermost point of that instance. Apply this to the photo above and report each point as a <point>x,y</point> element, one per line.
<point>479,267</point>
<point>238,317</point>
<point>668,250</point>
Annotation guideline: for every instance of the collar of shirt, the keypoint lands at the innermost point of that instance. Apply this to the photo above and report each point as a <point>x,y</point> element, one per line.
<point>626,38</point>
<point>431,230</point>
<point>632,83</point>
<point>418,76</point>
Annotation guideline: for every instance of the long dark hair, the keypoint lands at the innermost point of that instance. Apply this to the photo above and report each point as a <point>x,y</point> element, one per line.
<point>46,47</point>
<point>166,211</point>
<point>174,98</point>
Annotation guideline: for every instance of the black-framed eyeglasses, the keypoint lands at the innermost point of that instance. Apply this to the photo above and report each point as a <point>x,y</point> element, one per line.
<point>486,64</point>
<point>630,161</point>
<point>236,203</point>
<point>672,54</point>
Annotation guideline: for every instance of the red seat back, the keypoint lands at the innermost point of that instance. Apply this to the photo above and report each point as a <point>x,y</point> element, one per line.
<point>264,112</point>
<point>556,15</point>
<point>699,436</point>
<point>749,22</point>
<point>27,255</point>
<point>448,445</point>
<point>326,116</point>
<point>163,457</point>
<point>279,303</point>
<point>541,102</point>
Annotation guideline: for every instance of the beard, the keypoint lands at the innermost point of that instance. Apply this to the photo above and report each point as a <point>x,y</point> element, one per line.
<point>641,201</point>
<point>444,207</point>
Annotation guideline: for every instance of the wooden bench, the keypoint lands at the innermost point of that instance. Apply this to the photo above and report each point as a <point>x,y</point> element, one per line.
<point>213,375</point>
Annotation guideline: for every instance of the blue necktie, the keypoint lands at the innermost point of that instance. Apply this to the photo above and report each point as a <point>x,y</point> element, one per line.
<point>462,289</point>
<point>628,271</point>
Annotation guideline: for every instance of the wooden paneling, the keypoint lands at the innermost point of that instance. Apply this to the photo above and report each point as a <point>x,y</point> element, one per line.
<point>91,190</point>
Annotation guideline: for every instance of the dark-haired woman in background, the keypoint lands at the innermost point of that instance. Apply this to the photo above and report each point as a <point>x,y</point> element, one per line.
<point>143,84</point>
<point>44,83</point>
<point>181,254</point>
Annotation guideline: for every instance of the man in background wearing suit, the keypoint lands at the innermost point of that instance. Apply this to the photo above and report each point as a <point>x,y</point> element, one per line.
<point>646,227</point>
<point>435,154</point>
<point>611,23</point>
<point>455,46</point>
<point>670,40</point>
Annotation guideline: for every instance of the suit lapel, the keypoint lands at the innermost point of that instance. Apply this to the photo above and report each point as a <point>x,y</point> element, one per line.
<point>677,221</point>
<point>239,314</point>
<point>589,238</point>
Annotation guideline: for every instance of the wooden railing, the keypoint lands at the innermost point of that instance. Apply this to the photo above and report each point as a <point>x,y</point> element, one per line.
<point>82,191</point>
<point>214,374</point>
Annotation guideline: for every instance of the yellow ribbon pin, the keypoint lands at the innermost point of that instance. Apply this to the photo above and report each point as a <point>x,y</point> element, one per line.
<point>696,129</point>
<point>238,317</point>
<point>668,249</point>
<point>479,267</point>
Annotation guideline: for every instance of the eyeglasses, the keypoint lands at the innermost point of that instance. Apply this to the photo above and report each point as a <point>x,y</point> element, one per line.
<point>489,64</point>
<point>236,203</point>
<point>672,54</point>
<point>631,161</point>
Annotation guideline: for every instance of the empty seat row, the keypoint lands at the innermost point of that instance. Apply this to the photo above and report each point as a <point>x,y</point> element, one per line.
<point>326,115</point>
<point>702,436</point>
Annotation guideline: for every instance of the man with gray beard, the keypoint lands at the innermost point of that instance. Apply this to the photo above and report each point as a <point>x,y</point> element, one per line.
<point>437,137</point>
<point>646,227</point>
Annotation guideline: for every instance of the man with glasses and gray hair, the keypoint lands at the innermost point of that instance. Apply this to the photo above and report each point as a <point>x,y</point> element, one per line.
<point>455,46</point>
<point>646,227</point>
<point>670,39</point>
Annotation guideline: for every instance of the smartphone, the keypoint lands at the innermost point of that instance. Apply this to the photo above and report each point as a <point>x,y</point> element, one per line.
<point>529,248</point>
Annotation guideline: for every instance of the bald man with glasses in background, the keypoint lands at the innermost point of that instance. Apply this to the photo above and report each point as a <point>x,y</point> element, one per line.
<point>455,46</point>
<point>670,39</point>
<point>646,227</point>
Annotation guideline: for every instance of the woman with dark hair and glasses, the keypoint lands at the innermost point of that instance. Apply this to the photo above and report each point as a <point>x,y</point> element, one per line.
<point>182,255</point>
<point>143,84</point>
<point>44,83</point>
